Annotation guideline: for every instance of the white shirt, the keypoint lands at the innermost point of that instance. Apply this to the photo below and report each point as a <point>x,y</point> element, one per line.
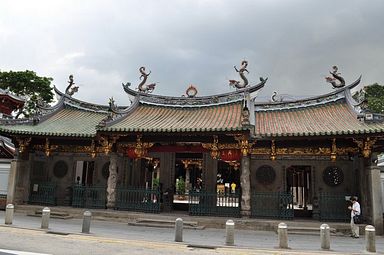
<point>355,209</point>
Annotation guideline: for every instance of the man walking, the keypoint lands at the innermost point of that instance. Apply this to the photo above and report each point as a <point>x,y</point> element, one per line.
<point>355,211</point>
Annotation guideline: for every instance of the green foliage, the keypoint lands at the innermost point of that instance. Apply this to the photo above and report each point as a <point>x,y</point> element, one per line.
<point>374,96</point>
<point>29,86</point>
<point>180,186</point>
<point>155,183</point>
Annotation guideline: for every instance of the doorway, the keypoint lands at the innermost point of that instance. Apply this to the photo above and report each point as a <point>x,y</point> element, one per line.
<point>299,185</point>
<point>84,172</point>
<point>187,179</point>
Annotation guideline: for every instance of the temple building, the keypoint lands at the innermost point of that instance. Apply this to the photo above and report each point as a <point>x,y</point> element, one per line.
<point>9,103</point>
<point>222,155</point>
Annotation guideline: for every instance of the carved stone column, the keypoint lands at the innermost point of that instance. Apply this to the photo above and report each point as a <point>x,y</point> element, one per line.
<point>112,181</point>
<point>15,165</point>
<point>245,183</point>
<point>375,198</point>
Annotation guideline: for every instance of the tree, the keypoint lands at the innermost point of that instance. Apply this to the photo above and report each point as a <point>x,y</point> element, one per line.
<point>373,96</point>
<point>34,89</point>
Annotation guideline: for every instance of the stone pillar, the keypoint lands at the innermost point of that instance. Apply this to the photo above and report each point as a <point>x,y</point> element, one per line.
<point>112,181</point>
<point>209,173</point>
<point>229,232</point>
<point>245,184</point>
<point>375,198</point>
<point>187,180</point>
<point>179,230</point>
<point>15,165</point>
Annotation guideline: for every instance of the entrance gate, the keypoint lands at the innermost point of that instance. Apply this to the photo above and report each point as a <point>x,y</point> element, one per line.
<point>272,205</point>
<point>214,204</point>
<point>89,196</point>
<point>333,207</point>
<point>138,199</point>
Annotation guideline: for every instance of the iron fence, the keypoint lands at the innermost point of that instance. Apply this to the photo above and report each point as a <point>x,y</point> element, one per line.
<point>204,203</point>
<point>272,205</point>
<point>138,199</point>
<point>89,196</point>
<point>43,193</point>
<point>333,207</point>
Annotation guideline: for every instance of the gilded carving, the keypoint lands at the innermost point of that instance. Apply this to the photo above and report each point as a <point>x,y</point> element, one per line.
<point>245,145</point>
<point>23,143</point>
<point>273,150</point>
<point>213,147</point>
<point>333,150</point>
<point>366,146</point>
<point>107,144</point>
<point>141,148</point>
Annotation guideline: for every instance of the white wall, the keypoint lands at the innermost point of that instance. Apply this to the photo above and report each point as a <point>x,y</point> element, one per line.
<point>5,167</point>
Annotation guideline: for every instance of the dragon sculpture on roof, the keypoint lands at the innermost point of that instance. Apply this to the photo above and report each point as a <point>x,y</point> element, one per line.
<point>244,83</point>
<point>71,88</point>
<point>335,77</point>
<point>142,87</point>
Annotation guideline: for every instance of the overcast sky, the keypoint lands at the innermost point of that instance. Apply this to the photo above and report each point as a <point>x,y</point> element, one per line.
<point>103,43</point>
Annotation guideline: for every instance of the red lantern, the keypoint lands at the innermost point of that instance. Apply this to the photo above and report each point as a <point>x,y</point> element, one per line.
<point>230,155</point>
<point>131,153</point>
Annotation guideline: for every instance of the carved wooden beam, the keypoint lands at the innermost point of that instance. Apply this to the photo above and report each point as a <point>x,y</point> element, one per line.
<point>366,145</point>
<point>23,143</point>
<point>213,147</point>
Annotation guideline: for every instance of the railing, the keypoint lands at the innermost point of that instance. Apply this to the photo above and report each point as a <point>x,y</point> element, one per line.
<point>272,205</point>
<point>43,193</point>
<point>89,196</point>
<point>214,204</point>
<point>333,207</point>
<point>138,199</point>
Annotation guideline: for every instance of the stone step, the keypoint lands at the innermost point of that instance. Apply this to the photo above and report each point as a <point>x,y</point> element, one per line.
<point>53,214</point>
<point>302,230</point>
<point>164,223</point>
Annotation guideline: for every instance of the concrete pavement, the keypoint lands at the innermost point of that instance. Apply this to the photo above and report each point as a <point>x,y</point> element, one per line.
<point>246,241</point>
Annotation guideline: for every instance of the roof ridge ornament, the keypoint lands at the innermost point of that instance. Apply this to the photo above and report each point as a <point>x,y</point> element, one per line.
<point>238,84</point>
<point>71,88</point>
<point>335,77</point>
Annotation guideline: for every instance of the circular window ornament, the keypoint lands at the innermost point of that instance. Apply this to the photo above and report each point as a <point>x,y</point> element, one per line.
<point>333,176</point>
<point>60,169</point>
<point>265,174</point>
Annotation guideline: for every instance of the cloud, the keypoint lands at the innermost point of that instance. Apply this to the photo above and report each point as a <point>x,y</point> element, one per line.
<point>103,43</point>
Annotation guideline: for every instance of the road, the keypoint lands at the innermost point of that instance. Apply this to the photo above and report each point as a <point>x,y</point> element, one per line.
<point>106,237</point>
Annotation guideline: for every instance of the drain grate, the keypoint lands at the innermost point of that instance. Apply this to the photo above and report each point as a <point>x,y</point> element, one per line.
<point>201,246</point>
<point>57,233</point>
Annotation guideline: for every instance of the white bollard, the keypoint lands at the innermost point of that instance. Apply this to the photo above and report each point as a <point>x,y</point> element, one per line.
<point>179,230</point>
<point>9,214</point>
<point>230,232</point>
<point>282,232</point>
<point>325,237</point>
<point>86,222</point>
<point>46,213</point>
<point>370,239</point>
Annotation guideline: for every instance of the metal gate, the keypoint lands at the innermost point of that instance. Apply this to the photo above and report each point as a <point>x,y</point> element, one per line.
<point>333,207</point>
<point>43,193</point>
<point>138,199</point>
<point>89,196</point>
<point>214,204</point>
<point>272,205</point>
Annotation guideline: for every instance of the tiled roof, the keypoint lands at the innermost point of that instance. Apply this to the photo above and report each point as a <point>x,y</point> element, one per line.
<point>328,119</point>
<point>66,122</point>
<point>151,118</point>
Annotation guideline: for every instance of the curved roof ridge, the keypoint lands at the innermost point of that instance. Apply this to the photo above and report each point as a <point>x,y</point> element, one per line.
<point>305,102</point>
<point>192,101</point>
<point>82,105</point>
<point>120,115</point>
